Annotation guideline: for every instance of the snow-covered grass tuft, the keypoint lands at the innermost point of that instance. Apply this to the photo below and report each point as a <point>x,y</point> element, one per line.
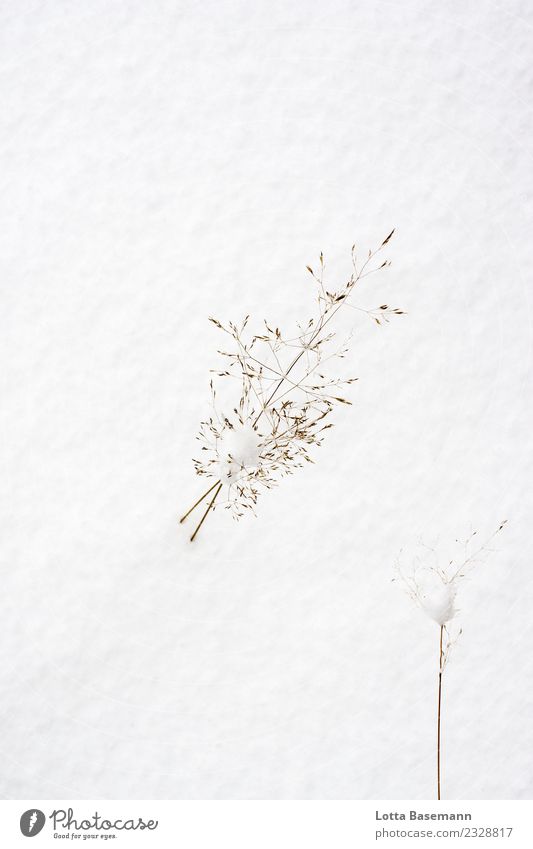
<point>282,393</point>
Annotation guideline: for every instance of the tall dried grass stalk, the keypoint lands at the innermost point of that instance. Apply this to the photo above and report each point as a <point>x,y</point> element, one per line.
<point>432,585</point>
<point>284,395</point>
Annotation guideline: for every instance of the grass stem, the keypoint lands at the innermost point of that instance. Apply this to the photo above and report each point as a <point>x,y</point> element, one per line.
<point>196,503</point>
<point>204,517</point>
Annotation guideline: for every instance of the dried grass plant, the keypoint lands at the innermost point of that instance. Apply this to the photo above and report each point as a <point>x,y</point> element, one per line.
<point>283,398</point>
<point>433,585</point>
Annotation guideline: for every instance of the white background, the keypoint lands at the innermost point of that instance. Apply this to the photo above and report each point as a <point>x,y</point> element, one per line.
<point>162,162</point>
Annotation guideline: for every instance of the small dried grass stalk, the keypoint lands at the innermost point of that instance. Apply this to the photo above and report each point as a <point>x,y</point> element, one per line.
<point>433,588</point>
<point>285,396</point>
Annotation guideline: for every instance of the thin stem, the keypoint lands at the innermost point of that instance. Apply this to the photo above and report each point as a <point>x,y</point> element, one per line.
<point>202,520</point>
<point>438,715</point>
<point>196,503</point>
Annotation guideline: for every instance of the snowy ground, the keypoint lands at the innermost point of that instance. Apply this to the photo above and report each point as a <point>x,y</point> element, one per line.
<point>167,161</point>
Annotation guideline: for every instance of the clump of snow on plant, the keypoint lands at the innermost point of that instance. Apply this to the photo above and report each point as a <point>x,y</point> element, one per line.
<point>437,598</point>
<point>239,452</point>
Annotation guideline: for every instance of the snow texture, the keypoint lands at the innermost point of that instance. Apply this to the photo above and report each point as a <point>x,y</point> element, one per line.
<point>163,162</point>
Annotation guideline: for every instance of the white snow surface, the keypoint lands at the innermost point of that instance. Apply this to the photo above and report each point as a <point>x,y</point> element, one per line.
<point>163,162</point>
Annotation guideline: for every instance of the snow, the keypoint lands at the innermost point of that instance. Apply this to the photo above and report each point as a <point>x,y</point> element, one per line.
<point>438,601</point>
<point>165,162</point>
<point>240,452</point>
